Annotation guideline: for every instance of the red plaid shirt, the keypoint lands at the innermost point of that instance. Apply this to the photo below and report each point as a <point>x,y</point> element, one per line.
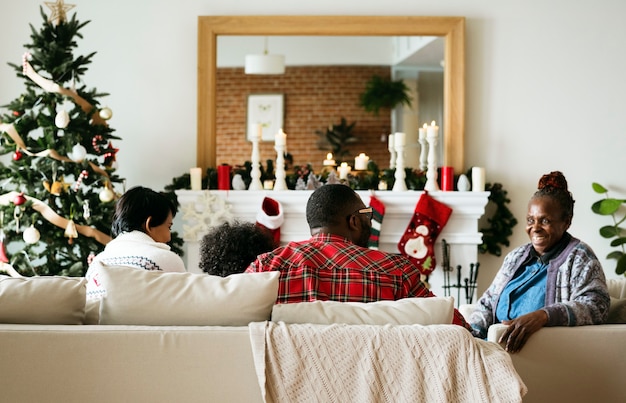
<point>330,267</point>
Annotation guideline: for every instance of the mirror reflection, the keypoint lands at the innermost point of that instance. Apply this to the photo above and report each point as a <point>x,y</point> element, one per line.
<point>320,85</point>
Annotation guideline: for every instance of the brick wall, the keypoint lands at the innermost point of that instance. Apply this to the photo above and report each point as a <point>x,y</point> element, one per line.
<point>315,97</point>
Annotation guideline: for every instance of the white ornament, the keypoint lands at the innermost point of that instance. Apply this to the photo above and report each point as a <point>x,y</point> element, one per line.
<point>78,153</point>
<point>62,119</point>
<point>106,113</point>
<point>238,183</point>
<point>106,195</point>
<point>463,184</point>
<point>31,235</point>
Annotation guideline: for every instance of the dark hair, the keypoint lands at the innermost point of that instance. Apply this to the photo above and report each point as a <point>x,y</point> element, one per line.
<point>329,204</point>
<point>554,185</point>
<point>230,248</point>
<point>136,205</point>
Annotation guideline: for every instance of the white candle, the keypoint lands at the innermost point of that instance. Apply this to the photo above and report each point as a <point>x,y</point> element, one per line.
<point>432,130</point>
<point>360,162</point>
<point>196,178</point>
<point>478,179</point>
<point>422,132</point>
<point>344,170</point>
<point>329,161</point>
<point>268,184</point>
<point>391,142</point>
<point>281,138</point>
<point>399,139</point>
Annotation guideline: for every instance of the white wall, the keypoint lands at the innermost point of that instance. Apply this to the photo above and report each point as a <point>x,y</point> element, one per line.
<point>545,86</point>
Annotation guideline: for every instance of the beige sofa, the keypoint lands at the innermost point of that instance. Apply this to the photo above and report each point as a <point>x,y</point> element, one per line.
<point>194,359</point>
<point>574,364</point>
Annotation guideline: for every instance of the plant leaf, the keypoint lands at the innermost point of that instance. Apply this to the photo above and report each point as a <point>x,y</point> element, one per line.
<point>621,265</point>
<point>598,188</point>
<point>608,231</point>
<point>609,206</point>
<point>616,254</point>
<point>618,241</point>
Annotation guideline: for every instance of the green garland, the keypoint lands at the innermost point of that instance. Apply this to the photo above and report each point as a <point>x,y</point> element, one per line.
<point>501,222</point>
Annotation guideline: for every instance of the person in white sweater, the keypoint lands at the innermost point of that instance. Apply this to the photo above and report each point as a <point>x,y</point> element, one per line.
<point>141,229</point>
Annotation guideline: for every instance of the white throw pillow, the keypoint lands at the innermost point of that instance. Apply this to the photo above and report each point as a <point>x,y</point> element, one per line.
<point>406,311</point>
<point>43,300</point>
<point>140,297</point>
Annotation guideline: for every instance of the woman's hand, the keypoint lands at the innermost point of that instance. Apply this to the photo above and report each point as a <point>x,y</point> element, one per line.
<point>520,329</point>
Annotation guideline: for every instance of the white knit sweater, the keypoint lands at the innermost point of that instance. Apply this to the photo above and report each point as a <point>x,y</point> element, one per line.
<point>136,250</point>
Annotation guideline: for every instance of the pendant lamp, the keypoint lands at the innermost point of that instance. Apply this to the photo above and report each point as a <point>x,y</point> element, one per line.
<point>265,63</point>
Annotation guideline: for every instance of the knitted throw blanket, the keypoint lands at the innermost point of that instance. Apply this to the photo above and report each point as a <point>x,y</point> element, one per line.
<point>368,363</point>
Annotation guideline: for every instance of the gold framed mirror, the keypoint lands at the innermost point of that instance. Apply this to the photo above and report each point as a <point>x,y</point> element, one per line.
<point>452,28</point>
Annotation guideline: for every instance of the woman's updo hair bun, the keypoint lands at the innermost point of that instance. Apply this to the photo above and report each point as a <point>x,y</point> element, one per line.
<point>554,179</point>
<point>554,185</point>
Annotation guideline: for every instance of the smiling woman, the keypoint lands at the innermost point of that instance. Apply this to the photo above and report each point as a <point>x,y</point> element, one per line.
<point>452,28</point>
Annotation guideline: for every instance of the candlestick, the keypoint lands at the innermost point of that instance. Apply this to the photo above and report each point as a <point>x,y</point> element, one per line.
<point>432,134</point>
<point>196,178</point>
<point>280,139</point>
<point>478,179</point>
<point>329,161</point>
<point>279,146</point>
<point>399,142</point>
<point>360,162</point>
<point>344,169</point>
<point>255,173</point>
<point>423,149</point>
<point>392,151</point>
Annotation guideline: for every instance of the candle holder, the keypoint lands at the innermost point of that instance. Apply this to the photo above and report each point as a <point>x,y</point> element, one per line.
<point>399,185</point>
<point>431,173</point>
<point>392,152</point>
<point>280,183</point>
<point>255,174</point>
<point>423,154</point>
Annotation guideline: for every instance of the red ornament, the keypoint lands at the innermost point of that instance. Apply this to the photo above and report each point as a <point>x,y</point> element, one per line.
<point>19,199</point>
<point>17,113</point>
<point>17,155</point>
<point>3,253</point>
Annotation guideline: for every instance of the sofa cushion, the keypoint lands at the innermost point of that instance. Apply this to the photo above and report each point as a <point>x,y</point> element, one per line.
<point>406,311</point>
<point>617,311</point>
<point>617,287</point>
<point>45,300</point>
<point>140,297</point>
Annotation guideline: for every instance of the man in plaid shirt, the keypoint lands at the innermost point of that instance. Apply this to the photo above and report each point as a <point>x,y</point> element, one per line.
<point>335,263</point>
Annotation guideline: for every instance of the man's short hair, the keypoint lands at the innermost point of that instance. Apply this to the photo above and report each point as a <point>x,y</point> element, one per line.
<point>330,204</point>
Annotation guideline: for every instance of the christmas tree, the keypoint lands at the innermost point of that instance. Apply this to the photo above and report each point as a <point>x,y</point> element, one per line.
<point>56,193</point>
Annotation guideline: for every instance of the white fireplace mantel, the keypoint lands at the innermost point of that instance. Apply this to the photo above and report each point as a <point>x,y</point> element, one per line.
<point>205,208</point>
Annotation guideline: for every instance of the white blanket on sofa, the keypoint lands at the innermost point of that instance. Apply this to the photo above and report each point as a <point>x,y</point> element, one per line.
<point>369,363</point>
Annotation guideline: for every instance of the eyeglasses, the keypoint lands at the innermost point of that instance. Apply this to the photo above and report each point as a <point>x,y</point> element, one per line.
<point>367,210</point>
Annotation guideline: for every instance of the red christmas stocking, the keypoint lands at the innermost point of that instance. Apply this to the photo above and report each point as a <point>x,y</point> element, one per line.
<point>271,218</point>
<point>377,221</point>
<point>418,240</point>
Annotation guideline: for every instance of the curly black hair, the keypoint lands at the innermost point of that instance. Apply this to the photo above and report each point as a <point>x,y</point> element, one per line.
<point>229,248</point>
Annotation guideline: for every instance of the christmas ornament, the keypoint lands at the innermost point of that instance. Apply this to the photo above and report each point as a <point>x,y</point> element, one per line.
<point>19,199</point>
<point>94,142</point>
<point>17,113</point>
<point>56,188</point>
<point>110,155</point>
<point>378,209</point>
<point>70,231</point>
<point>418,240</point>
<point>62,120</point>
<point>58,11</point>
<point>106,195</point>
<point>271,217</point>
<point>86,210</point>
<point>78,153</point>
<point>106,113</point>
<point>83,175</point>
<point>31,235</point>
<point>17,155</point>
<point>17,216</point>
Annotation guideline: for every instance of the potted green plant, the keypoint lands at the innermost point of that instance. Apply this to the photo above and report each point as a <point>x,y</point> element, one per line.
<point>384,93</point>
<point>336,137</point>
<point>610,206</point>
